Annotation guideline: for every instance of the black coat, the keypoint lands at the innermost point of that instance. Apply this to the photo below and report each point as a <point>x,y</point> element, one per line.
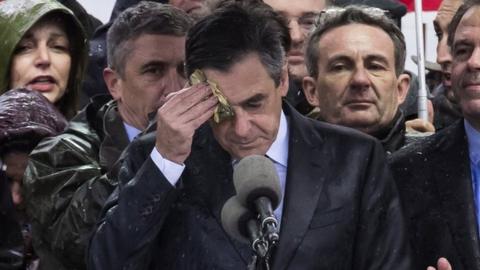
<point>434,180</point>
<point>67,181</point>
<point>341,208</point>
<point>11,240</point>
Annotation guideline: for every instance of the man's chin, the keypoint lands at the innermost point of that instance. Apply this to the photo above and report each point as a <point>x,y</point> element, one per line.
<point>297,71</point>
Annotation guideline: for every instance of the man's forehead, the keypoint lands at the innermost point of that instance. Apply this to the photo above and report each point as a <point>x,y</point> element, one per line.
<point>356,34</point>
<point>146,45</point>
<point>469,24</point>
<point>446,11</point>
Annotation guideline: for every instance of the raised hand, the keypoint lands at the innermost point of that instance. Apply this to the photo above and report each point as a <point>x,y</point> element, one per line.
<point>183,112</point>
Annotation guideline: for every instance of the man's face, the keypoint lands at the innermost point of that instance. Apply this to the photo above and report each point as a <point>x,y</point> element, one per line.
<point>301,15</point>
<point>466,65</point>
<point>150,74</point>
<point>356,84</point>
<point>257,104</point>
<point>444,16</point>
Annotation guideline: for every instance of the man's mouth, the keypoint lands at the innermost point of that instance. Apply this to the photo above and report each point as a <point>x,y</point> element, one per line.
<point>295,57</point>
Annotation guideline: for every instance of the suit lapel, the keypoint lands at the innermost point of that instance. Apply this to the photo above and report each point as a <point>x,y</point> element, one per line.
<point>303,187</point>
<point>214,180</point>
<point>456,195</point>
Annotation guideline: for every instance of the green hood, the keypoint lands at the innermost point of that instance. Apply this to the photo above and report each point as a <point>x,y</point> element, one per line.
<point>16,18</point>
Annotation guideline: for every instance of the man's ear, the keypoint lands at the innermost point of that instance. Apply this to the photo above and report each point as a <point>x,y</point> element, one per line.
<point>403,85</point>
<point>310,91</point>
<point>113,82</point>
<point>284,81</point>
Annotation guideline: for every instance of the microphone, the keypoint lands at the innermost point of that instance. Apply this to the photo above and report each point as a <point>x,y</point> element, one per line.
<point>258,188</point>
<point>241,224</point>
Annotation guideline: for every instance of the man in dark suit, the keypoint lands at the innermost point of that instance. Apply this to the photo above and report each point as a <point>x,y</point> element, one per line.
<point>439,178</point>
<point>339,210</point>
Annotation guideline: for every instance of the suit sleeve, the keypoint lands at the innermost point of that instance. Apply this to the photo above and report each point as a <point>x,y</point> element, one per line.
<point>382,239</point>
<point>133,216</point>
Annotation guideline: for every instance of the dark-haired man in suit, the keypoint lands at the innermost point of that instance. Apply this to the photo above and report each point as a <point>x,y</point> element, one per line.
<point>439,178</point>
<point>340,208</point>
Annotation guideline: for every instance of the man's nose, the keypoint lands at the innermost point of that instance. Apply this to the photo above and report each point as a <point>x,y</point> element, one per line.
<point>241,124</point>
<point>42,56</point>
<point>443,52</point>
<point>174,81</point>
<point>360,78</point>
<point>296,33</point>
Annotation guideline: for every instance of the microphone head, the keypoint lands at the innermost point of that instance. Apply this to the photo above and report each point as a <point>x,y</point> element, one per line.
<point>234,219</point>
<point>255,176</point>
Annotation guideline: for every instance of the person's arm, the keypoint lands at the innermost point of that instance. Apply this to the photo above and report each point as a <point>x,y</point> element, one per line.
<point>382,241</point>
<point>65,190</point>
<point>136,212</point>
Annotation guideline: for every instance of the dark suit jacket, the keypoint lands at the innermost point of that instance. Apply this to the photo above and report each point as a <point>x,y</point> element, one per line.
<point>435,186</point>
<point>341,208</point>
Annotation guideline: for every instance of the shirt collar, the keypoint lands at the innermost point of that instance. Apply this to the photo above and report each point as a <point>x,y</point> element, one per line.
<point>132,131</point>
<point>278,151</point>
<point>473,137</point>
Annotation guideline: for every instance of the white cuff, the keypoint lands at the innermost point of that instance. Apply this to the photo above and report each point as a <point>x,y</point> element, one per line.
<point>171,170</point>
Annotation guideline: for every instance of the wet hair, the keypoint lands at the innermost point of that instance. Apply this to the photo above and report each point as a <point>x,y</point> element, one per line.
<point>452,27</point>
<point>234,30</point>
<point>144,18</point>
<point>336,17</point>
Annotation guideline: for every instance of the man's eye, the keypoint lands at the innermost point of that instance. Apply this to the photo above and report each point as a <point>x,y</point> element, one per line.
<point>254,104</point>
<point>307,23</point>
<point>157,71</point>
<point>439,35</point>
<point>338,67</point>
<point>374,66</point>
<point>461,51</point>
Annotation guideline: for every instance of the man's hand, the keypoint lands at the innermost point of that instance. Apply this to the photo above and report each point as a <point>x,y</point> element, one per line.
<point>419,126</point>
<point>183,112</point>
<point>442,264</point>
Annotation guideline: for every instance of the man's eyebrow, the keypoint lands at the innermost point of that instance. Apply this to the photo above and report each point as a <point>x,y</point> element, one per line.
<point>254,98</point>
<point>460,42</point>
<point>339,57</point>
<point>377,57</point>
<point>153,63</point>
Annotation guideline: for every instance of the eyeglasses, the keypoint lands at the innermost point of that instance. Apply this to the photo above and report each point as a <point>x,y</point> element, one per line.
<point>329,13</point>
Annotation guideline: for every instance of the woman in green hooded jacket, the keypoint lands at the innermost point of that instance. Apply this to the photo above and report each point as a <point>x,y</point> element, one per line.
<point>43,48</point>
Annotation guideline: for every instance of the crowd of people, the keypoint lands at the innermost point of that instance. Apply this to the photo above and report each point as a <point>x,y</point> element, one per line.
<point>119,142</point>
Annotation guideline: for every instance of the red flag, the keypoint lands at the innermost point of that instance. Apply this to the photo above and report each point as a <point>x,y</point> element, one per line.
<point>429,5</point>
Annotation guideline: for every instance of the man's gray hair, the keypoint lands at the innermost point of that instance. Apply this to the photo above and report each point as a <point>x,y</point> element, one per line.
<point>144,18</point>
<point>336,17</point>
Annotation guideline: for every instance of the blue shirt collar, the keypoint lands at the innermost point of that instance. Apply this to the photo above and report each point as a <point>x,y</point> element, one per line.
<point>473,137</point>
<point>278,151</point>
<point>132,131</point>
